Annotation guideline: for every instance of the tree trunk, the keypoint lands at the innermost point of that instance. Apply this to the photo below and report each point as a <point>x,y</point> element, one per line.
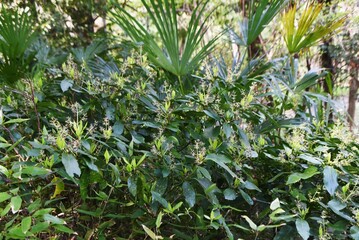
<point>327,63</point>
<point>353,89</point>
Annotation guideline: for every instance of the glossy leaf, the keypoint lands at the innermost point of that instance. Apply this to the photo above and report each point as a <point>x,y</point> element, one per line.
<point>230,194</point>
<point>53,219</point>
<point>15,204</point>
<point>71,165</point>
<point>302,228</point>
<point>189,193</point>
<point>221,160</point>
<point>337,206</point>
<point>330,179</point>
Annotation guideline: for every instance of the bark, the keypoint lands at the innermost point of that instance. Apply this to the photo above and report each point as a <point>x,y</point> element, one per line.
<point>353,89</point>
<point>327,63</point>
<point>327,60</point>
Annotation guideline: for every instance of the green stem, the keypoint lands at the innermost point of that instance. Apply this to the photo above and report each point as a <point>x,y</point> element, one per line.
<point>181,85</point>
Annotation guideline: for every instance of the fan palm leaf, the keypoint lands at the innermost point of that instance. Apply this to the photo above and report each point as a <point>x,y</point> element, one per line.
<point>305,34</point>
<point>260,15</point>
<point>167,54</point>
<point>16,36</point>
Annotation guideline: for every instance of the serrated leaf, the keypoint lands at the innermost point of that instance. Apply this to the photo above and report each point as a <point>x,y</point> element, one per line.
<point>302,228</point>
<point>71,165</point>
<point>189,193</point>
<point>330,179</point>
<point>229,194</point>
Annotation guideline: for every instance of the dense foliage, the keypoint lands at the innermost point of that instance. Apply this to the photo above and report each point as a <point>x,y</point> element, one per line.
<point>108,141</point>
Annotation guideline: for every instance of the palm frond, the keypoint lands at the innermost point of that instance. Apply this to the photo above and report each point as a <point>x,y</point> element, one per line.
<point>305,34</point>
<point>260,15</point>
<point>16,36</point>
<point>169,57</point>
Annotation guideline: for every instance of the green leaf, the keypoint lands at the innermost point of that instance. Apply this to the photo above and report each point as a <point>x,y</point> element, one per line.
<point>53,219</point>
<point>18,120</point>
<point>250,222</point>
<point>167,53</point>
<point>66,84</point>
<point>64,229</point>
<point>15,204</point>
<point>40,227</point>
<point>311,159</point>
<point>251,186</point>
<point>354,232</point>
<point>25,224</point>
<point>337,206</point>
<point>5,145</point>
<point>229,194</point>
<point>71,165</point>
<point>330,179</point>
<point>5,210</point>
<point>302,228</point>
<point>275,204</point>
<point>157,197</point>
<point>4,196</point>
<point>132,185</point>
<point>159,220</point>
<point>35,171</point>
<point>59,186</point>
<point>189,193</point>
<point>246,197</point>
<point>221,160</point>
<point>293,178</point>
<point>149,232</point>
<point>204,172</point>
<point>296,177</point>
<point>212,115</point>
<point>304,33</point>
<point>43,211</point>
